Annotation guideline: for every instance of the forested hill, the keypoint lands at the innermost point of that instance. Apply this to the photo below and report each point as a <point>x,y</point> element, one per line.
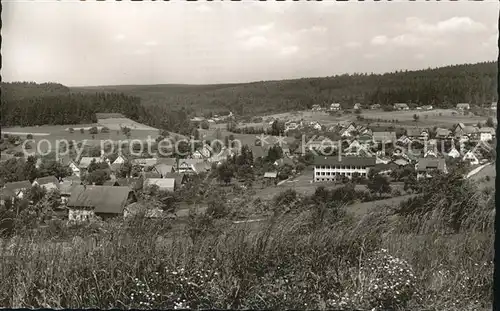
<point>441,87</point>
<point>22,90</point>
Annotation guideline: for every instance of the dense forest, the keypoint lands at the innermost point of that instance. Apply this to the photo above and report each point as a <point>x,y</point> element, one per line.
<point>441,87</point>
<point>169,107</point>
<point>47,103</point>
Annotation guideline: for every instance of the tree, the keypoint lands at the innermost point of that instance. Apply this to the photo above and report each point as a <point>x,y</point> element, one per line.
<point>29,136</point>
<point>71,130</point>
<point>205,125</point>
<point>274,153</point>
<point>105,130</point>
<point>379,184</point>
<point>416,117</point>
<point>82,130</point>
<point>51,167</point>
<point>225,173</point>
<point>97,177</point>
<point>277,128</point>
<point>126,131</point>
<point>30,170</point>
<point>489,122</point>
<point>93,130</point>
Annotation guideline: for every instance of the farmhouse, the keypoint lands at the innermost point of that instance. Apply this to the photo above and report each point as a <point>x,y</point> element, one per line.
<point>347,131</point>
<point>48,183</point>
<point>442,133</point>
<point>103,201</point>
<point>486,133</point>
<point>453,153</point>
<point>333,168</point>
<point>357,106</point>
<point>19,188</point>
<point>335,107</point>
<point>188,165</point>
<point>164,184</point>
<point>401,106</point>
<point>180,179</point>
<point>426,166</point>
<point>463,106</point>
<point>471,157</point>
<point>493,106</point>
<point>427,107</point>
<point>375,106</point>
<point>119,160</point>
<point>163,169</point>
<point>145,162</point>
<point>417,133</point>
<point>65,189</point>
<point>403,140</point>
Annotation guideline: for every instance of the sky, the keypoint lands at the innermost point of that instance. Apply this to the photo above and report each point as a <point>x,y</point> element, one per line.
<point>109,43</point>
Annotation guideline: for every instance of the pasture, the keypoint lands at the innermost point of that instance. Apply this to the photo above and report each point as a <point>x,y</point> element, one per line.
<point>485,178</point>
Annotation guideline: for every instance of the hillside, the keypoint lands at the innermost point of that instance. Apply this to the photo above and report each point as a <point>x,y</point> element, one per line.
<point>24,90</point>
<point>441,87</point>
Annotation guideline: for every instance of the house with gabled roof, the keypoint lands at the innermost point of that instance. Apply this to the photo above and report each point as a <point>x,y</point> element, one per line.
<point>163,184</point>
<point>426,167</point>
<point>187,165</point>
<point>119,160</point>
<point>103,201</point>
<point>48,183</point>
<point>335,107</point>
<point>442,133</point>
<point>471,157</point>
<point>19,188</point>
<point>180,179</point>
<point>401,106</point>
<point>163,169</point>
<point>145,162</point>
<point>463,106</point>
<point>486,133</point>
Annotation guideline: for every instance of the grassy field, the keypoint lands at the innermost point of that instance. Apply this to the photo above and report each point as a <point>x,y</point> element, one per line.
<point>488,172</point>
<point>438,117</point>
<point>53,133</point>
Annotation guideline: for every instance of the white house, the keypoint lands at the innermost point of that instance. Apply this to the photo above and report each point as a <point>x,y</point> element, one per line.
<point>453,153</point>
<point>401,106</point>
<point>347,131</point>
<point>493,106</point>
<point>357,106</point>
<point>335,107</point>
<point>471,157</point>
<point>333,168</point>
<point>48,183</point>
<point>316,107</point>
<point>463,106</point>
<point>486,133</point>
<point>119,160</point>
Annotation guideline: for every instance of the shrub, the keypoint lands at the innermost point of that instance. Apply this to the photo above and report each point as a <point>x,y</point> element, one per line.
<point>93,130</point>
<point>71,130</point>
<point>82,131</point>
<point>104,130</point>
<point>29,136</point>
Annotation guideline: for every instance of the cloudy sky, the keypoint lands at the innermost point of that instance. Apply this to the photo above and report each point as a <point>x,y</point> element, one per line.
<point>105,43</point>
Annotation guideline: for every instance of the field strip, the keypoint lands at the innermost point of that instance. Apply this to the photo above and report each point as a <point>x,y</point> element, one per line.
<point>24,133</point>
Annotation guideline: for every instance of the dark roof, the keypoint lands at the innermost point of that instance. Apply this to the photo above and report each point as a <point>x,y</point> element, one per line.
<point>111,183</point>
<point>18,185</point>
<point>163,169</point>
<point>388,166</point>
<point>6,193</point>
<point>352,161</point>
<point>47,180</point>
<point>430,163</point>
<point>133,183</point>
<point>104,199</point>
<point>115,167</point>
<point>66,187</point>
<point>151,175</point>
<point>179,178</point>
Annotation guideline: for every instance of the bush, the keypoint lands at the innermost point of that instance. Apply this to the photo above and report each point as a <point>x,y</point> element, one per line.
<point>93,130</point>
<point>82,131</point>
<point>104,130</point>
<point>29,136</point>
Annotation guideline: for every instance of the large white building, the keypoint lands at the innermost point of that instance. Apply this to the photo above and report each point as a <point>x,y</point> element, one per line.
<point>332,168</point>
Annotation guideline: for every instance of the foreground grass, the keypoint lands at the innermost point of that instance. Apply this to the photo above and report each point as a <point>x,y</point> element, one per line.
<point>290,262</point>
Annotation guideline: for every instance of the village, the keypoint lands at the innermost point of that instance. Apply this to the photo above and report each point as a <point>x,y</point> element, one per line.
<point>344,152</point>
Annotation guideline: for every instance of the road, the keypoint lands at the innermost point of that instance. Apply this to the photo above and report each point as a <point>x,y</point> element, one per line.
<point>477,170</point>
